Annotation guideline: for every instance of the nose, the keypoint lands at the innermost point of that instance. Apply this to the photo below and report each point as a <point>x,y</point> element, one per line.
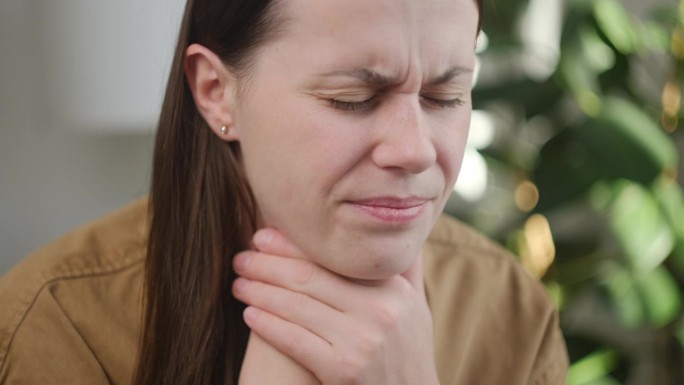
<point>405,142</point>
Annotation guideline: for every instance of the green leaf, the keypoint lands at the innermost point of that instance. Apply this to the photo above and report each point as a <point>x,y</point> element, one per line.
<point>596,53</point>
<point>557,293</point>
<point>616,24</point>
<point>670,197</point>
<point>639,225</point>
<point>651,298</point>
<point>532,96</point>
<point>579,75</point>
<point>624,142</point>
<point>655,37</point>
<point>625,297</point>
<point>679,333</point>
<point>642,129</point>
<point>605,380</point>
<point>660,296</point>
<point>565,172</point>
<point>592,367</point>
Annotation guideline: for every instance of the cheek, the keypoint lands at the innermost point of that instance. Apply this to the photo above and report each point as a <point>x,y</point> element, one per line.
<point>300,157</point>
<point>274,168</point>
<point>451,146</point>
<point>330,146</point>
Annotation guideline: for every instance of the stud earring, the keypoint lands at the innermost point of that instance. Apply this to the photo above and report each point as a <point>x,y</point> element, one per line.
<point>224,129</point>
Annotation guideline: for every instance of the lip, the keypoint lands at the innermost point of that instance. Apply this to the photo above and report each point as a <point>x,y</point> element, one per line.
<point>394,210</point>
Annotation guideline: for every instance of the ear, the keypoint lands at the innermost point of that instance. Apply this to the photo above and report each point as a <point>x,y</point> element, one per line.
<point>213,88</point>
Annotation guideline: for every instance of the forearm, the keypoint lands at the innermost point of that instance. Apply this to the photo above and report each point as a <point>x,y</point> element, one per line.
<point>264,364</point>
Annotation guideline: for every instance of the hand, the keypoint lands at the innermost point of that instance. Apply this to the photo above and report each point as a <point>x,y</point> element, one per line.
<point>263,364</point>
<point>342,331</point>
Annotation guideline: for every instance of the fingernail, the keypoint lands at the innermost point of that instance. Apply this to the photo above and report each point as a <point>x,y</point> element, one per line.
<point>262,238</point>
<point>241,261</point>
<point>239,285</point>
<point>250,314</point>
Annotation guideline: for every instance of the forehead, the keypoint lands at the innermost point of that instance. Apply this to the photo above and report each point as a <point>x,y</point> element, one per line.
<point>390,34</point>
<point>338,14</point>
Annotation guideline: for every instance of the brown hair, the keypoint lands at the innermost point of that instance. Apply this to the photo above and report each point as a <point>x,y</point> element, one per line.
<point>202,213</point>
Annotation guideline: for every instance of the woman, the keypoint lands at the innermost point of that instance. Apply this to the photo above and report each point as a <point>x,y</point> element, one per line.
<point>336,129</point>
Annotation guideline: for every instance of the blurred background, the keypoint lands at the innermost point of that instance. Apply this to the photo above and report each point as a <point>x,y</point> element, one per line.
<point>81,83</point>
<point>574,160</point>
<point>578,130</point>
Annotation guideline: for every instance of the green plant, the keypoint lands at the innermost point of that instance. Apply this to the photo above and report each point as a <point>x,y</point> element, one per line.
<point>590,151</point>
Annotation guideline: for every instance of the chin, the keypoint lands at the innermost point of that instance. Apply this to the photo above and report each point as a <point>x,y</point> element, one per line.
<point>376,262</point>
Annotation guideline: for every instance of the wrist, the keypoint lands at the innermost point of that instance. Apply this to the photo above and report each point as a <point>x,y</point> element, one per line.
<point>264,364</point>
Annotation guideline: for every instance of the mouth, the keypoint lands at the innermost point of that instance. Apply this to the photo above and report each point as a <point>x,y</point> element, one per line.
<point>393,210</point>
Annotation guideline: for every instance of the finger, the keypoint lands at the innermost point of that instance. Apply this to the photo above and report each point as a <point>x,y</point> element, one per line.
<point>272,241</point>
<point>291,306</point>
<point>294,341</point>
<point>299,276</point>
<point>414,275</point>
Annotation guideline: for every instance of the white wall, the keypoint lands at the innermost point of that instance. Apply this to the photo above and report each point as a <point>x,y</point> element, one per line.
<point>53,177</point>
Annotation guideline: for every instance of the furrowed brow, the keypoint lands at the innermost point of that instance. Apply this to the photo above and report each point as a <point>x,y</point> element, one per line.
<point>365,75</point>
<point>449,75</point>
<point>377,80</point>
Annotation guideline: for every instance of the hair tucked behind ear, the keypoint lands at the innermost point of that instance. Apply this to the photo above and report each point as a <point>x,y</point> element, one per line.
<point>202,213</point>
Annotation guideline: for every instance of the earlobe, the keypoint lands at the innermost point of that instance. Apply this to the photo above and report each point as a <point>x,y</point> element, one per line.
<point>229,133</point>
<point>213,89</point>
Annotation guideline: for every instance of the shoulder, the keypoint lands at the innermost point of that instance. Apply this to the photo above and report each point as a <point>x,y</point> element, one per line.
<point>482,297</point>
<point>455,250</point>
<point>72,298</point>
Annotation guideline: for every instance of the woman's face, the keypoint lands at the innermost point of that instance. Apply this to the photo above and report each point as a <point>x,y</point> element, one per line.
<point>353,125</point>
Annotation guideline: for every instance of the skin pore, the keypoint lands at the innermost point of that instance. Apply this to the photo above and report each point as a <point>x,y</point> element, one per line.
<point>352,125</point>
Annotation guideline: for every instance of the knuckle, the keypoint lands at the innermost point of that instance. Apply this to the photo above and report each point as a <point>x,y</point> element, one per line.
<point>298,303</point>
<point>292,341</point>
<point>305,272</point>
<point>368,345</point>
<point>350,369</point>
<point>362,352</point>
<point>387,316</point>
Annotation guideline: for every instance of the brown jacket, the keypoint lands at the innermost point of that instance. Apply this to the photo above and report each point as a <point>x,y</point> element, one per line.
<point>70,313</point>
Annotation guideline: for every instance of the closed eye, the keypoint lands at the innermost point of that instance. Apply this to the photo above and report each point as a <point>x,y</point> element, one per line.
<point>365,105</point>
<point>443,103</point>
<point>353,106</point>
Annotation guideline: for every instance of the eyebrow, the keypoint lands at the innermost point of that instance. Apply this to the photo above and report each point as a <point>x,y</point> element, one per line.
<point>378,80</point>
<point>449,75</point>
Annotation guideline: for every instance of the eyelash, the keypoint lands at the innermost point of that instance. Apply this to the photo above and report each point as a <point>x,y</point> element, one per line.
<point>451,103</point>
<point>353,106</point>
<point>371,102</point>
